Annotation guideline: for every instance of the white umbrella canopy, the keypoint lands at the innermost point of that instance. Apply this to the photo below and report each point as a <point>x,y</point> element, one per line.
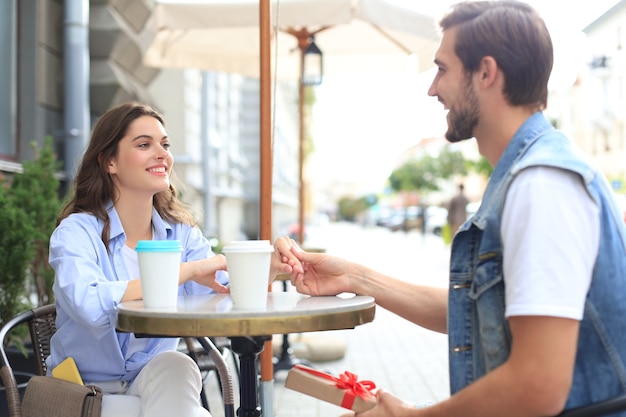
<point>364,36</point>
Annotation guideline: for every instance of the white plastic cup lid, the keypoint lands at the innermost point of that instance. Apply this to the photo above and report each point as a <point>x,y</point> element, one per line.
<point>248,246</point>
<point>248,243</point>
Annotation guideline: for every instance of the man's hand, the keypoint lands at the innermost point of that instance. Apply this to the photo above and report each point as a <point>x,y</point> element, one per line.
<point>322,274</point>
<point>387,406</point>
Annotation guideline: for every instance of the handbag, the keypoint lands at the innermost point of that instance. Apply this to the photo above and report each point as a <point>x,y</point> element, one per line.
<point>53,397</point>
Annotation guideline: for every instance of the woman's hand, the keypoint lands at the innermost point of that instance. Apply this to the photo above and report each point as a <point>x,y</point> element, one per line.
<point>284,260</point>
<point>204,271</point>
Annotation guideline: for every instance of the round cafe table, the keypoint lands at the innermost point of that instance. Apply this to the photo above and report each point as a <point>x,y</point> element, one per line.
<point>213,315</point>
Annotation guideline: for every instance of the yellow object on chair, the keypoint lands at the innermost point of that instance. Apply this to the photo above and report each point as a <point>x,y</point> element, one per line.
<point>68,371</point>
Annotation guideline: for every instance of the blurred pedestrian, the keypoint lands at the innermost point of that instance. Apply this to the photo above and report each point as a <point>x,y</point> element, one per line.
<point>534,310</point>
<point>457,212</point>
<point>423,216</point>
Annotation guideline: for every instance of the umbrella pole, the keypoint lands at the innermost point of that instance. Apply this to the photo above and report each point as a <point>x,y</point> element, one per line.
<point>302,35</point>
<point>265,200</point>
<point>301,151</point>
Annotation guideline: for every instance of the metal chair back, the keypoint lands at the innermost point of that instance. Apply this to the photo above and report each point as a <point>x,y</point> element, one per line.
<point>41,323</point>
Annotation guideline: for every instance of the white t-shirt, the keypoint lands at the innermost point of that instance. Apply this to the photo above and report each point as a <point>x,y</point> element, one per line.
<point>550,232</point>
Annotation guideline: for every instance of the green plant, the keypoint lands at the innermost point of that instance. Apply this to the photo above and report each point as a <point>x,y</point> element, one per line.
<point>29,204</point>
<point>36,191</point>
<point>16,252</point>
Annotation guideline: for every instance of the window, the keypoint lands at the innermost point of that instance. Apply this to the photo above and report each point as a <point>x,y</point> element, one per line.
<point>8,81</point>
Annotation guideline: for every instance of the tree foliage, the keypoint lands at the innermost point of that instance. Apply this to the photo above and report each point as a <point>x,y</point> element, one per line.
<point>451,163</point>
<point>426,173</point>
<point>348,208</point>
<point>482,166</point>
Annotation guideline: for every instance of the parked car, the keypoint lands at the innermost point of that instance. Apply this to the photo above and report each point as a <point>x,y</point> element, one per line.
<point>436,218</point>
<point>383,215</point>
<point>411,219</point>
<point>472,208</point>
<point>405,219</point>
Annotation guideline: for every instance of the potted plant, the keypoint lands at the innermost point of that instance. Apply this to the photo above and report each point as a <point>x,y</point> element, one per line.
<point>16,253</point>
<point>36,191</point>
<point>29,205</point>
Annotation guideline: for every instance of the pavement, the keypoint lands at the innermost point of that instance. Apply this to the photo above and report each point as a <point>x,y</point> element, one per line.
<point>397,355</point>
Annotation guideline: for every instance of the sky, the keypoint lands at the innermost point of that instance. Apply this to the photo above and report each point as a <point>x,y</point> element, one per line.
<point>362,124</point>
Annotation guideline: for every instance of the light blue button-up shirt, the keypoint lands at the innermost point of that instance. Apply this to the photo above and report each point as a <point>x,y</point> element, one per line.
<point>89,283</point>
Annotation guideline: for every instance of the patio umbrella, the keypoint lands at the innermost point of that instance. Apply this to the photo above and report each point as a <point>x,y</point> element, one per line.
<point>356,36</point>
<point>239,36</point>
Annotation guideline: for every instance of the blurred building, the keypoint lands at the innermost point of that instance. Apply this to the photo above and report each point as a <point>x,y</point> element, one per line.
<point>67,62</point>
<point>593,111</point>
<point>605,86</point>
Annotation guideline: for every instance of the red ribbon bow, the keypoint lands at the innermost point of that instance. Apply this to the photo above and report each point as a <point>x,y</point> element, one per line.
<point>346,381</point>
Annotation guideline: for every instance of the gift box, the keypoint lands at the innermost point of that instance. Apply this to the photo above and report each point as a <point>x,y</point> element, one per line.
<point>344,390</point>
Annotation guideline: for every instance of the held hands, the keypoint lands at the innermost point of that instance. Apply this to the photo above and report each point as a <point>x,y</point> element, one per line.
<point>284,261</point>
<point>321,274</point>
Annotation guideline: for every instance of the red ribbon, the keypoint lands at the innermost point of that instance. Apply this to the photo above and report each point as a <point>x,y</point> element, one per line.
<point>346,381</point>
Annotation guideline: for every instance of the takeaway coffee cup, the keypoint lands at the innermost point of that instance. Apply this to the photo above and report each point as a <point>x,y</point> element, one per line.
<point>159,268</point>
<point>248,271</point>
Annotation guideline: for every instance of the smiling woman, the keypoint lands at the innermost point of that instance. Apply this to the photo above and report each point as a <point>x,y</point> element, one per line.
<point>122,194</point>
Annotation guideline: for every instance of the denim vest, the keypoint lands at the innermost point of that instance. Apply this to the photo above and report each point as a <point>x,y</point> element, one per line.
<point>479,335</point>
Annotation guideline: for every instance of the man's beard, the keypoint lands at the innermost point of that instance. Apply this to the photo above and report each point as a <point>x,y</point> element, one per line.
<point>463,119</point>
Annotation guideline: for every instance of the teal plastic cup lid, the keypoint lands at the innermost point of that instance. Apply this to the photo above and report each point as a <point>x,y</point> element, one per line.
<point>158,246</point>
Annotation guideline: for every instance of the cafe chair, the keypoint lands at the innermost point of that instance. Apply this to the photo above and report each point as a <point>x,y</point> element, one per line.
<point>211,355</point>
<point>41,322</point>
<point>603,408</point>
